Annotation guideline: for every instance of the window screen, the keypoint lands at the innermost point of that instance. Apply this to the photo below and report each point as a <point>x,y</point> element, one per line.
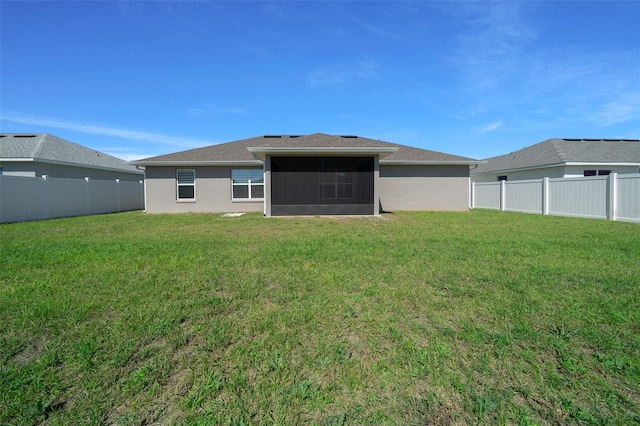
<point>321,185</point>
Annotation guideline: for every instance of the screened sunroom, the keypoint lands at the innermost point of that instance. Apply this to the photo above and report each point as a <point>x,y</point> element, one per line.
<point>321,180</point>
<point>322,186</point>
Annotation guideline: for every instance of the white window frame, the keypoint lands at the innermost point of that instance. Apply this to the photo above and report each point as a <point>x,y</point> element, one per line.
<point>249,184</point>
<point>178,185</point>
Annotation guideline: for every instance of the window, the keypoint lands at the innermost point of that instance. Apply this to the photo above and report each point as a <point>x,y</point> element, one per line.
<point>501,178</point>
<point>596,172</point>
<point>247,184</point>
<point>336,184</point>
<point>186,183</point>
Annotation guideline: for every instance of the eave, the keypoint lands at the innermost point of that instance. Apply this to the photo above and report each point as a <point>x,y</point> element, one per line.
<point>67,164</point>
<point>432,162</point>
<point>197,163</point>
<point>546,166</point>
<point>601,163</point>
<point>262,151</point>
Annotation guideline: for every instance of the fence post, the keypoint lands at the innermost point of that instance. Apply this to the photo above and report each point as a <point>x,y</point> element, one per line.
<point>611,196</point>
<point>545,196</point>
<point>143,195</point>
<point>473,195</point>
<point>118,194</point>
<point>88,192</point>
<point>503,194</point>
<point>47,207</point>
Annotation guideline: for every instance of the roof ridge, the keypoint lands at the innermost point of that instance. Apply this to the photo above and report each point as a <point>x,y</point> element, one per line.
<point>42,141</point>
<point>559,149</point>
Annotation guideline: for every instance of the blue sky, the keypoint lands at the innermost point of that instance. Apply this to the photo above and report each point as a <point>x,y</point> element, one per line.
<point>478,79</point>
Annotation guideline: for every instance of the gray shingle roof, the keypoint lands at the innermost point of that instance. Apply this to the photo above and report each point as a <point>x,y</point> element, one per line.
<point>559,151</point>
<point>48,148</point>
<point>237,151</point>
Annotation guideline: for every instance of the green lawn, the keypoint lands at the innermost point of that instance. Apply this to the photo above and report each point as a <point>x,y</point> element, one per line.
<point>478,317</point>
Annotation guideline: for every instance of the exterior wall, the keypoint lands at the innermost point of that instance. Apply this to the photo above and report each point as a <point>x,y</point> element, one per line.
<point>553,172</point>
<point>398,188</point>
<point>213,192</point>
<point>18,169</point>
<point>35,169</point>
<point>423,187</point>
<point>578,171</point>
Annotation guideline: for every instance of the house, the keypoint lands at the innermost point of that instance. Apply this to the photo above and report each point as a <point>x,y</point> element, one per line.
<point>316,174</point>
<point>42,154</point>
<point>557,158</point>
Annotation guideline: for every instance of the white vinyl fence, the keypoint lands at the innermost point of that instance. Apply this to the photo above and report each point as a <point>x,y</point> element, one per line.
<point>33,198</point>
<point>613,197</point>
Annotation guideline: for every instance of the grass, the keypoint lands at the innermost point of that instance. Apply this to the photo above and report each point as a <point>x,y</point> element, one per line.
<point>413,318</point>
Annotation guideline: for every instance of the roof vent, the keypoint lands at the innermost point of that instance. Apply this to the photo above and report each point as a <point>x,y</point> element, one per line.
<point>592,140</point>
<point>572,140</point>
<point>348,136</point>
<point>24,136</point>
<point>273,136</point>
<point>295,136</point>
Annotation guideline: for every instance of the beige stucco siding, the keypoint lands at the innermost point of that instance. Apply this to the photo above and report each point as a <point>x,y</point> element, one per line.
<point>423,187</point>
<point>213,192</point>
<point>400,187</point>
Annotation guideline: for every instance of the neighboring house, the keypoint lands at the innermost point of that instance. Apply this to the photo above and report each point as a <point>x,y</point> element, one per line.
<point>306,175</point>
<point>557,158</point>
<point>40,154</point>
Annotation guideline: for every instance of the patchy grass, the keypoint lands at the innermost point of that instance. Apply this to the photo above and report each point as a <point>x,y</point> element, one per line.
<point>412,318</point>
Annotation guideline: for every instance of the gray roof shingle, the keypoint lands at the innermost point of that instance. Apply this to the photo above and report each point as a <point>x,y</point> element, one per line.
<point>559,151</point>
<point>237,151</point>
<point>48,148</point>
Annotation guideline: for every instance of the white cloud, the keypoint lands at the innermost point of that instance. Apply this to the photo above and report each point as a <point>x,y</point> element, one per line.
<point>109,131</point>
<point>127,156</point>
<point>503,70</point>
<point>491,127</point>
<point>620,110</point>
<point>490,51</point>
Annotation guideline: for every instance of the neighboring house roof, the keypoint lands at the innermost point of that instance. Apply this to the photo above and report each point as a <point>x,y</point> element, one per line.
<point>557,152</point>
<point>246,151</point>
<point>46,148</point>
